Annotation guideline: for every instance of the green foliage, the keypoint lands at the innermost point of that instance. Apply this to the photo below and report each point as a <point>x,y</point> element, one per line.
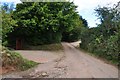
<point>84,22</point>
<point>100,46</point>
<point>7,22</point>
<point>26,64</point>
<point>44,38</point>
<point>103,40</point>
<point>39,23</point>
<point>75,33</point>
<point>44,22</point>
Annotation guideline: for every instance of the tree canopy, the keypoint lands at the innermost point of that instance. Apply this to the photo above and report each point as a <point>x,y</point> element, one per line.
<point>42,22</point>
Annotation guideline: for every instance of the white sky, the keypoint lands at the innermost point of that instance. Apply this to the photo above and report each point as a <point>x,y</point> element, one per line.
<point>90,4</point>
<point>85,8</point>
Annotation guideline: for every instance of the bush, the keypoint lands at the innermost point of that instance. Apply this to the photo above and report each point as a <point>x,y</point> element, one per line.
<point>100,45</point>
<point>44,38</point>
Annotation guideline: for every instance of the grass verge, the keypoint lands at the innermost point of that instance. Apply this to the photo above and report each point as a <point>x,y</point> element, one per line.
<point>48,47</point>
<point>14,60</point>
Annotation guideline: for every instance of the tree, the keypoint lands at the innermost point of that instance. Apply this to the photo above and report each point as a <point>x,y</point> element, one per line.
<point>44,23</point>
<point>84,22</point>
<point>109,18</point>
<point>75,34</point>
<point>7,21</point>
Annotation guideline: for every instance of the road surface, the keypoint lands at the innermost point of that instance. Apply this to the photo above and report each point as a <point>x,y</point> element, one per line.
<point>73,63</point>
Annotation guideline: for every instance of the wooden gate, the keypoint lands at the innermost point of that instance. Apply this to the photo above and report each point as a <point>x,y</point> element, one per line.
<point>18,44</point>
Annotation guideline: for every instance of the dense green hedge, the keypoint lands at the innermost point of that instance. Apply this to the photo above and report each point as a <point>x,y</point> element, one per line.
<point>95,42</point>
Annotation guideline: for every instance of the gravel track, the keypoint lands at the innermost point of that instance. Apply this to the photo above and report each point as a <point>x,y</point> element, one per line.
<point>71,63</point>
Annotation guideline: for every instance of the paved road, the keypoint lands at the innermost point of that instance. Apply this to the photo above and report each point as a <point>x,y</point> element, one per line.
<point>73,63</point>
